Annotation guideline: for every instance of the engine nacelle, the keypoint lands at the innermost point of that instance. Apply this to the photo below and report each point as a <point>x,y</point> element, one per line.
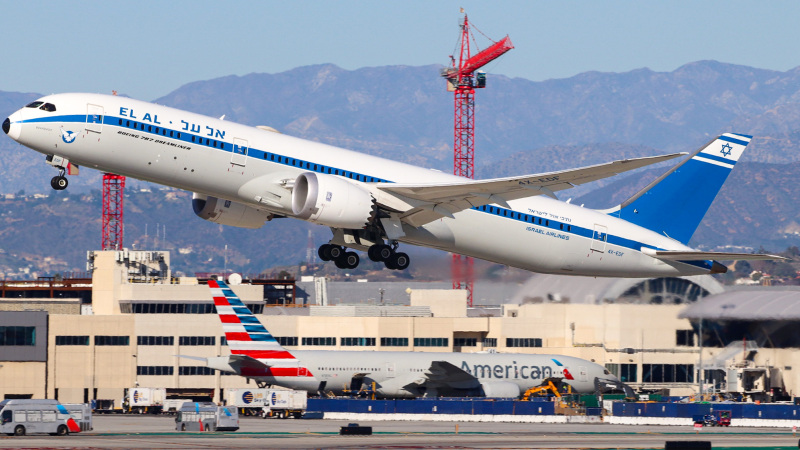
<point>226,212</point>
<point>332,201</point>
<point>500,389</point>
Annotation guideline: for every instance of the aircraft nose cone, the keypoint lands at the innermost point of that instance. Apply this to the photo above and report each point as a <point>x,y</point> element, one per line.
<point>6,125</point>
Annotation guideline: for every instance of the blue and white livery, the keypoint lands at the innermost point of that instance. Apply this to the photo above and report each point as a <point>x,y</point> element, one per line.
<point>244,176</point>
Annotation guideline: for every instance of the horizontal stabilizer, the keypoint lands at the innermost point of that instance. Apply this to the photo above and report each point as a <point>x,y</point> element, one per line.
<point>677,255</point>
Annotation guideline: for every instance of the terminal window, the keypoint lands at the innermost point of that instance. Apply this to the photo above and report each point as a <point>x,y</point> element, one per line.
<point>289,341</point>
<point>668,373</point>
<point>17,335</point>
<point>358,342</point>
<point>72,340</point>
<point>154,370</point>
<point>197,340</point>
<point>394,342</point>
<point>625,372</point>
<point>523,342</point>
<point>112,340</point>
<point>195,370</point>
<point>465,342</point>
<point>155,340</point>
<point>684,338</point>
<point>490,342</point>
<point>319,341</point>
<point>431,342</point>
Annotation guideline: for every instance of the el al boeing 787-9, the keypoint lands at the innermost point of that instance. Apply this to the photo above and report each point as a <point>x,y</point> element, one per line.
<point>245,176</point>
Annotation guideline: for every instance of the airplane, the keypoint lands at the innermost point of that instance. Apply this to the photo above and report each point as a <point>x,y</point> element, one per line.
<point>243,176</point>
<point>257,355</point>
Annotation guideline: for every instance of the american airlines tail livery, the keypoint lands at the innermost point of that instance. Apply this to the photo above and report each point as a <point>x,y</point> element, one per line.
<point>257,355</point>
<point>244,176</point>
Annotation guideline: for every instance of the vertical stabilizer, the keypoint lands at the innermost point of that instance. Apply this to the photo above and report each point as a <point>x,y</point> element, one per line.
<point>676,202</point>
<point>243,331</point>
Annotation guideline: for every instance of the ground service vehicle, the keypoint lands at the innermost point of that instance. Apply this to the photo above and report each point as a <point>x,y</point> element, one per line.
<point>283,403</point>
<point>82,414</point>
<point>266,402</point>
<point>145,400</point>
<point>206,416</point>
<point>21,417</point>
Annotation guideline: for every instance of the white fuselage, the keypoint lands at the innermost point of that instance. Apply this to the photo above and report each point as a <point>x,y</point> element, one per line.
<point>181,149</point>
<point>398,374</point>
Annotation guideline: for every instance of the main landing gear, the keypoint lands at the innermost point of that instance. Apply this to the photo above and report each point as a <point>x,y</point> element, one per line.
<point>379,253</point>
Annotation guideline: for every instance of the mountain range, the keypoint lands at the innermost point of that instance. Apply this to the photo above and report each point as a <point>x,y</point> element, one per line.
<point>404,113</point>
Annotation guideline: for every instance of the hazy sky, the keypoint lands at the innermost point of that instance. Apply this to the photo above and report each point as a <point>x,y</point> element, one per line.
<point>146,49</point>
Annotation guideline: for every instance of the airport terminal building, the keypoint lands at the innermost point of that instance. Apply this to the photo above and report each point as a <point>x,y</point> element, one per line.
<point>90,339</point>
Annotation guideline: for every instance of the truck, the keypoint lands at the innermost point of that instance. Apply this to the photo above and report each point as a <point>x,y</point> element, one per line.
<point>145,400</point>
<point>21,417</point>
<point>206,416</point>
<point>250,402</point>
<point>281,403</point>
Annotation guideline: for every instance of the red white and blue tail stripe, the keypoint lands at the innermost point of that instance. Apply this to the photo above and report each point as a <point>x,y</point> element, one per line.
<point>244,333</point>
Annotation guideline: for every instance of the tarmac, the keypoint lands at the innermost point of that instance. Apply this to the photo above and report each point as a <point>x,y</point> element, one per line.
<point>155,432</point>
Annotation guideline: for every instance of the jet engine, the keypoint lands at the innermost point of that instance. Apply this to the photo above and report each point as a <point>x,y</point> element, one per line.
<point>226,212</point>
<point>500,389</point>
<point>332,201</point>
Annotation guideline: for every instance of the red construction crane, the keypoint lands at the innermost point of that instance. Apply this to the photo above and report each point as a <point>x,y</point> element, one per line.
<point>113,190</point>
<point>463,79</point>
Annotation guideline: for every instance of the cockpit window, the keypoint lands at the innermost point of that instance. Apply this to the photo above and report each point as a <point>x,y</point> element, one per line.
<point>34,105</point>
<point>49,107</point>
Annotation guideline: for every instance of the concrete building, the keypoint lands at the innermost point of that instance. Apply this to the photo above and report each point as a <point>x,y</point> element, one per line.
<point>137,318</point>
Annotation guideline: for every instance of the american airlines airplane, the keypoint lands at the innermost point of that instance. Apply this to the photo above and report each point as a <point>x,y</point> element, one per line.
<point>244,176</point>
<point>257,355</point>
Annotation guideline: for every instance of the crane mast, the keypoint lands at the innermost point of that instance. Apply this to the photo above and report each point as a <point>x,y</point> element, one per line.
<point>463,79</point>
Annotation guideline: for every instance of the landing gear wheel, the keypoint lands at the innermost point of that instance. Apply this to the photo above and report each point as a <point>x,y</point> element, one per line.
<point>348,260</point>
<point>59,182</point>
<point>400,261</point>
<point>324,252</point>
<point>380,252</point>
<point>372,253</point>
<point>336,251</point>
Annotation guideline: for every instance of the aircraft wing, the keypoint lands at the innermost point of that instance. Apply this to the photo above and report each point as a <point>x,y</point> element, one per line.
<point>447,373</point>
<point>445,199</point>
<point>676,255</point>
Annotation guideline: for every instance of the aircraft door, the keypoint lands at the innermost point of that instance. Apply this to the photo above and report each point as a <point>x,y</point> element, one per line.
<point>583,374</point>
<point>94,118</point>
<point>390,373</point>
<point>239,154</point>
<point>599,238</point>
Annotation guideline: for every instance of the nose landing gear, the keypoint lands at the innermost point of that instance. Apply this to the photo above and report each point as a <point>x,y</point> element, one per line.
<point>59,182</point>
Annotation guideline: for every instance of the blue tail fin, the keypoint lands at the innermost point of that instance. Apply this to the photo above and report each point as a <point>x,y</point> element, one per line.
<point>676,202</point>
